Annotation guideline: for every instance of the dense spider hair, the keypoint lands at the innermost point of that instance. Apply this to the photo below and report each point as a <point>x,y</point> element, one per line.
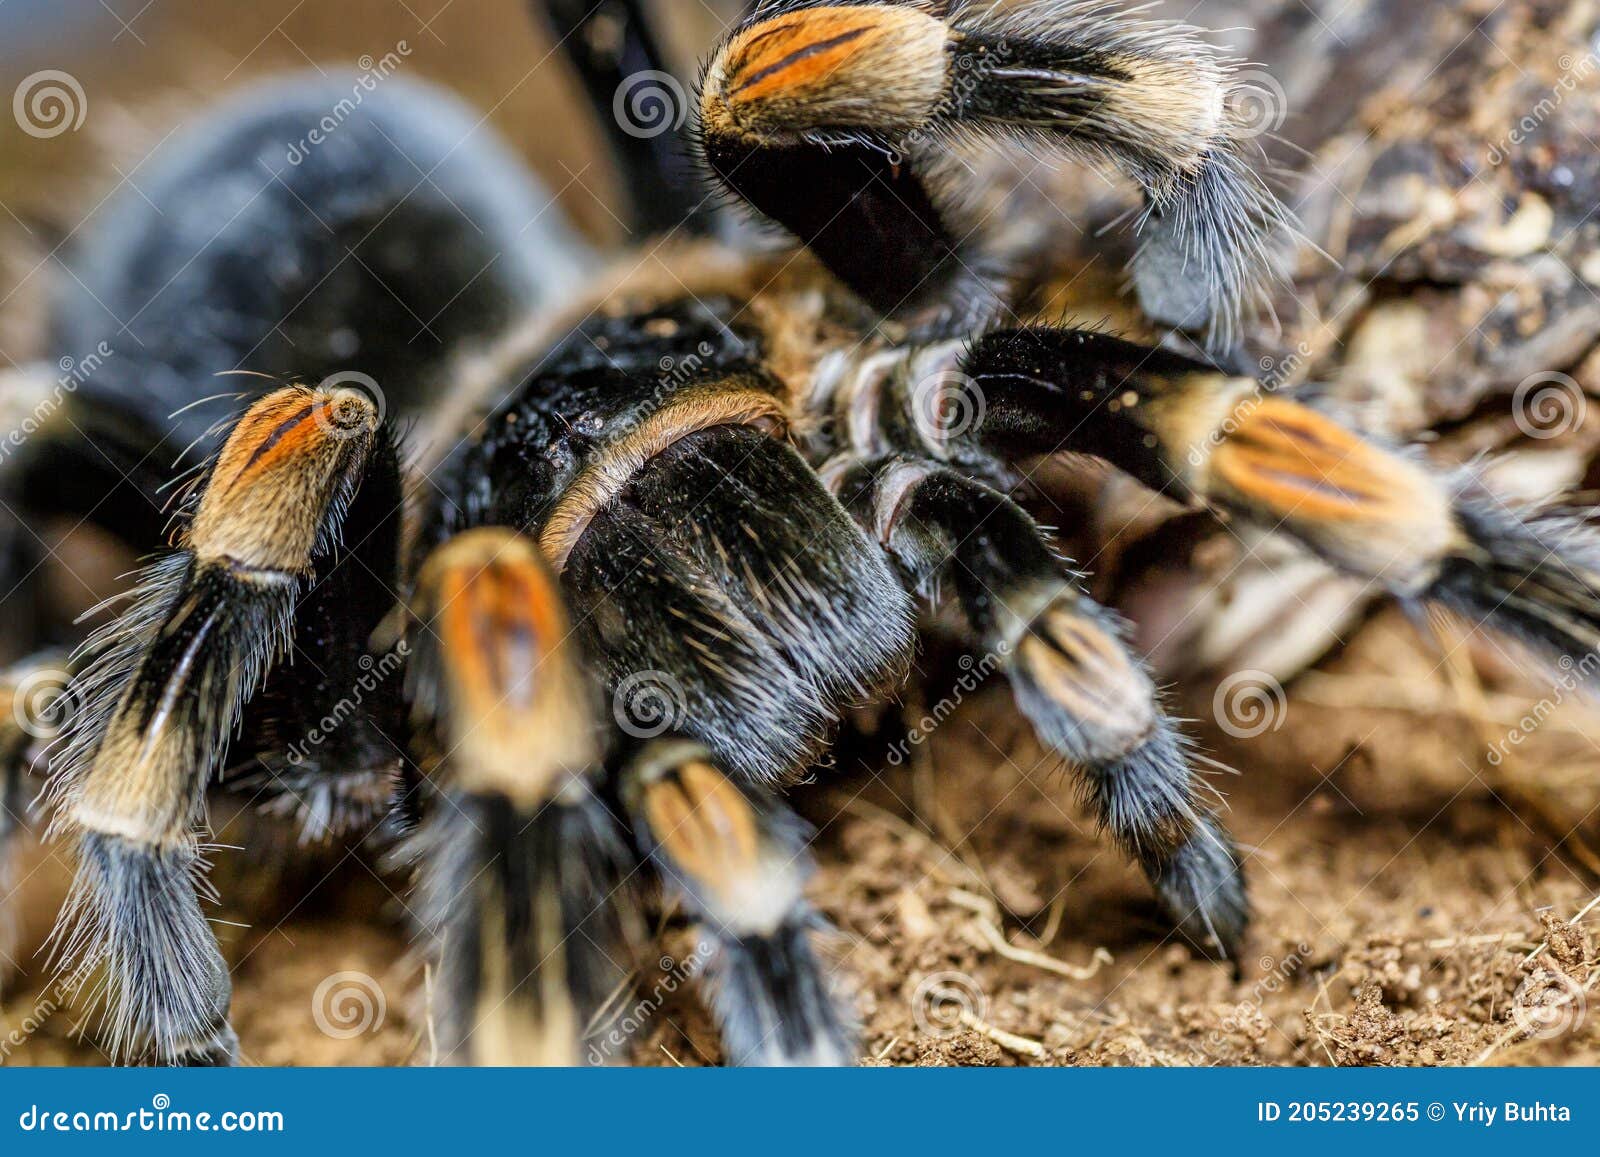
<point>919,83</point>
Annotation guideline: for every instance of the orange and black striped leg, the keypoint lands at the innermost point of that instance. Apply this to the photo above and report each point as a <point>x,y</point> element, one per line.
<point>522,868</point>
<point>738,860</point>
<point>731,598</point>
<point>1072,676</point>
<point>163,687</point>
<point>841,122</point>
<point>1364,507</point>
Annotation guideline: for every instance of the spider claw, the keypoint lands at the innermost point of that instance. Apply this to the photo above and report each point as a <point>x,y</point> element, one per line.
<point>1202,886</point>
<point>1094,704</point>
<point>133,916</point>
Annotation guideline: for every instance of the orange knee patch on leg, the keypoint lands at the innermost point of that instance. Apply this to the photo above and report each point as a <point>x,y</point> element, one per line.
<point>516,719</point>
<point>278,473</point>
<point>704,824</point>
<point>1089,675</point>
<point>712,835</point>
<point>1371,509</point>
<point>839,65</point>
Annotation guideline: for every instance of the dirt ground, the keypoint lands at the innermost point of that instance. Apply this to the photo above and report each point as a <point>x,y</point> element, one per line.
<point>1424,893</point>
<point>1414,905</point>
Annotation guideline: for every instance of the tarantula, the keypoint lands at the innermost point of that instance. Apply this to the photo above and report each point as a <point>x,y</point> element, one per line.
<point>720,476</point>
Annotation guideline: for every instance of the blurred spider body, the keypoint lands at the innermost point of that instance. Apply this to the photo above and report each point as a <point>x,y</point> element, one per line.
<point>639,554</point>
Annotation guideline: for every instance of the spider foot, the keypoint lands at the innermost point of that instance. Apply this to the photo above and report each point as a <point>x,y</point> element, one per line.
<point>737,858</point>
<point>1426,535</point>
<point>1072,676</point>
<point>1419,532</point>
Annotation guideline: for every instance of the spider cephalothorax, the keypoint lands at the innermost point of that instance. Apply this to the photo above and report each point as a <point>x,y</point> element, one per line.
<point>726,479</point>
